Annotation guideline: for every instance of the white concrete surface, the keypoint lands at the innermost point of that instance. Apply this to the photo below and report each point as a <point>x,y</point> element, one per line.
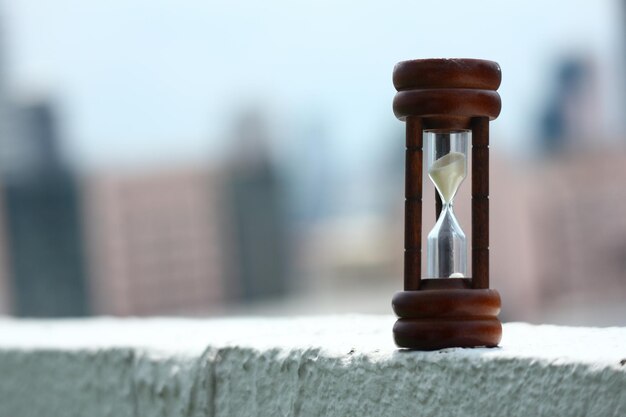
<point>317,366</point>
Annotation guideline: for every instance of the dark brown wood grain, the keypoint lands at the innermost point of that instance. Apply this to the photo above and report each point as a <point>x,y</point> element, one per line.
<point>458,102</point>
<point>480,202</point>
<point>432,334</point>
<point>447,73</point>
<point>446,304</point>
<point>413,204</point>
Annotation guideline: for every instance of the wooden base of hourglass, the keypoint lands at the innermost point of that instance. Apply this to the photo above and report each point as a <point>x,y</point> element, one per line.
<point>447,313</point>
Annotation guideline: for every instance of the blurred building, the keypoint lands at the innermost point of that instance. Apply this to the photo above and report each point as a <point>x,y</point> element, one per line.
<point>579,227</point>
<point>572,115</point>
<point>155,244</point>
<point>261,256</point>
<point>43,235</point>
<point>168,241</point>
<point>6,290</point>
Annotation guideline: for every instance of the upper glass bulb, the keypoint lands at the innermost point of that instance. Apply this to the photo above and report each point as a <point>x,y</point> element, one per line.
<point>447,173</point>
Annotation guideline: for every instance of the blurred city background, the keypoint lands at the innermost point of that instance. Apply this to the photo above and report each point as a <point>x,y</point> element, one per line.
<point>205,158</point>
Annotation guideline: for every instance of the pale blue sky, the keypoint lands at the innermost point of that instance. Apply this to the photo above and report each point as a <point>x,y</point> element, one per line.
<point>151,80</point>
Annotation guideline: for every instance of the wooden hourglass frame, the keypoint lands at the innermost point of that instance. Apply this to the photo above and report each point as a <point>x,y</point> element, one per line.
<point>447,95</point>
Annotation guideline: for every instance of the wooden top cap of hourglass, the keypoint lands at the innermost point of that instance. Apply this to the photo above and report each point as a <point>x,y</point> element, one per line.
<point>448,92</point>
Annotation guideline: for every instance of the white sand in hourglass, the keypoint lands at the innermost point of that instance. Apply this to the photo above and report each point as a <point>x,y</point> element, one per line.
<point>447,173</point>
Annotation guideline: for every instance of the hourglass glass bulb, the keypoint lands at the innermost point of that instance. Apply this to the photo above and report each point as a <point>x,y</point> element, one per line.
<point>447,173</point>
<point>447,168</point>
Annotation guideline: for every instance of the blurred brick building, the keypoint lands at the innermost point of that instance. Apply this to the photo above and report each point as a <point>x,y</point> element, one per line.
<point>558,238</point>
<point>154,242</point>
<point>578,218</point>
<point>185,240</point>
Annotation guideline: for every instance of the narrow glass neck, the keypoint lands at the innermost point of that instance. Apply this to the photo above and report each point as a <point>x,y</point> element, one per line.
<point>447,210</point>
<point>445,203</point>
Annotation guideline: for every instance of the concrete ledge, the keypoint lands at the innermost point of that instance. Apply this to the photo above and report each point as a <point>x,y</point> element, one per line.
<point>330,366</point>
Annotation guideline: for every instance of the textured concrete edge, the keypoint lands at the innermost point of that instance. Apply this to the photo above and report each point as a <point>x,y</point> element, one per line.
<point>358,385</point>
<point>108,382</point>
<point>243,381</point>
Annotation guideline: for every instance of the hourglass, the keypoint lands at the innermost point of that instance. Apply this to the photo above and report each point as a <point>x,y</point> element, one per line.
<point>447,104</point>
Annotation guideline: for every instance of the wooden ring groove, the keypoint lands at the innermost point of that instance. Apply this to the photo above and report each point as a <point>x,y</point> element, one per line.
<point>463,103</point>
<point>432,334</point>
<point>459,303</point>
